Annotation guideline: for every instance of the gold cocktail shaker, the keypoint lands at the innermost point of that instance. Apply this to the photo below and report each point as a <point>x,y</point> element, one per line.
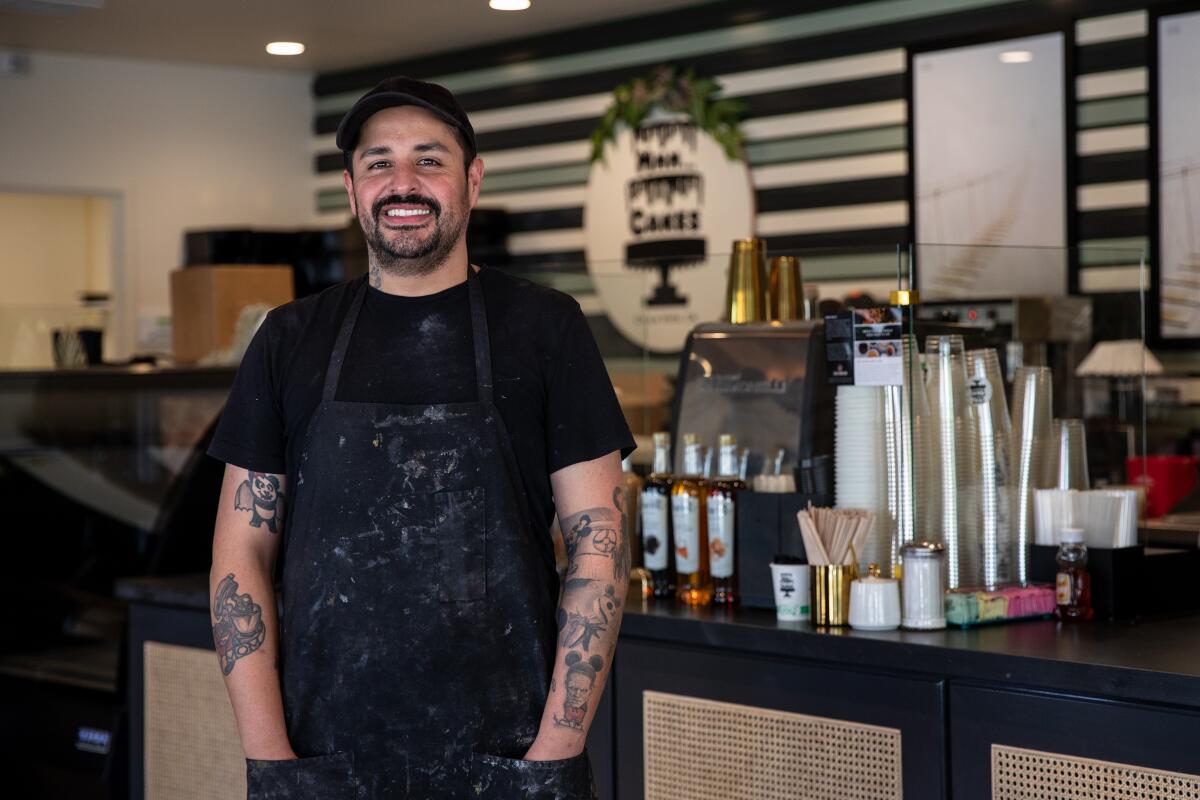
<point>784,298</point>
<point>745,298</point>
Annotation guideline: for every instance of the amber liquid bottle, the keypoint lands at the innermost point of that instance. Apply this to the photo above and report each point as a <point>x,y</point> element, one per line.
<point>657,542</point>
<point>722,521</point>
<point>693,581</point>
<point>1073,584</point>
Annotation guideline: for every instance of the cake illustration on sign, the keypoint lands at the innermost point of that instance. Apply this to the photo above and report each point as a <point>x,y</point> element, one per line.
<point>664,203</point>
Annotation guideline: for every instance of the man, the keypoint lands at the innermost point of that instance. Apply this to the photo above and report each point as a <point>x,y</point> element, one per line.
<point>407,437</point>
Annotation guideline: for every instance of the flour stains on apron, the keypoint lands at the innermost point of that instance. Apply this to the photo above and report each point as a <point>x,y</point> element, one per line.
<point>418,629</point>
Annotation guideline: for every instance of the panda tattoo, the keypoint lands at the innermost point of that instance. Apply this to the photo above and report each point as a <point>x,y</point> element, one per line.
<point>260,495</point>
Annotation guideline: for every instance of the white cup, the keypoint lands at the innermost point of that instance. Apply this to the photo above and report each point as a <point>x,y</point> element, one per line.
<point>793,592</point>
<point>875,604</point>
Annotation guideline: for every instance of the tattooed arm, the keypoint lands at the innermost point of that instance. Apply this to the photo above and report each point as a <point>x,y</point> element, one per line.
<point>250,520</point>
<point>588,497</point>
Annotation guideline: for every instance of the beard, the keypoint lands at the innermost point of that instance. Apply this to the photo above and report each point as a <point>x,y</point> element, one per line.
<point>412,252</point>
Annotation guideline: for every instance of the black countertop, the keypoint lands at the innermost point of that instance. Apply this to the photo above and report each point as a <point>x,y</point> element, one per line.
<point>1149,661</point>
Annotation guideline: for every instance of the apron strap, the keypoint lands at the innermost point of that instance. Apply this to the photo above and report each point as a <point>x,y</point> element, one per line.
<point>479,333</point>
<point>334,371</point>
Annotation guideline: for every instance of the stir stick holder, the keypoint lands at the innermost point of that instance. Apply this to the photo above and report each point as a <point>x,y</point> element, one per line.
<point>831,593</point>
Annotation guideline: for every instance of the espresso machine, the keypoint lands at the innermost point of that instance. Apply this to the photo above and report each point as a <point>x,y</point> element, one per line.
<point>764,383</point>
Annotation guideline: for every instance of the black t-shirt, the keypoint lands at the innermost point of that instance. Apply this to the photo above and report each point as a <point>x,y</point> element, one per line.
<point>550,384</point>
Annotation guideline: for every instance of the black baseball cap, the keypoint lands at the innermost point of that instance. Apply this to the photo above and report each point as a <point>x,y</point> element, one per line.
<point>402,91</point>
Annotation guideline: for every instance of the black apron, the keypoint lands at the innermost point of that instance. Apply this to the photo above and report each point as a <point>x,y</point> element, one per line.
<point>418,630</point>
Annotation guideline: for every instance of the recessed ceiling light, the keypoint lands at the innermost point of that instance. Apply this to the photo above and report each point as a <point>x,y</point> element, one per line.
<point>285,48</point>
<point>509,5</point>
<point>1016,56</point>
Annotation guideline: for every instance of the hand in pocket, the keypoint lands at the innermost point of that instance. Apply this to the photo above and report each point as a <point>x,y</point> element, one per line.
<point>497,778</point>
<point>328,777</point>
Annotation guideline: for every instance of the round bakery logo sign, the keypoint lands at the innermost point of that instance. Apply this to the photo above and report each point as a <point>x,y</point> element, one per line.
<point>662,208</point>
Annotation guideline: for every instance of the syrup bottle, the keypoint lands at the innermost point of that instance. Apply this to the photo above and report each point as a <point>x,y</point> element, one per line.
<point>693,581</point>
<point>1073,584</point>
<point>722,516</point>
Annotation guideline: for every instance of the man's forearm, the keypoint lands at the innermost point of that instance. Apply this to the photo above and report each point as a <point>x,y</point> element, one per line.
<point>244,619</point>
<point>589,617</point>
<point>246,637</point>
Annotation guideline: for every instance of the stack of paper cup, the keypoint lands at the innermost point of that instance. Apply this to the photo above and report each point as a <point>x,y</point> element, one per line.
<point>986,388</point>
<point>957,439</point>
<point>1033,455</point>
<point>860,464</point>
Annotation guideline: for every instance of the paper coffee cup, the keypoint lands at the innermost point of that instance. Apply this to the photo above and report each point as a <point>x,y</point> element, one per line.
<point>792,591</point>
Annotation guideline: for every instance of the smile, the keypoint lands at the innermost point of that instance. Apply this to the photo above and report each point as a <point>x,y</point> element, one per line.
<point>407,212</point>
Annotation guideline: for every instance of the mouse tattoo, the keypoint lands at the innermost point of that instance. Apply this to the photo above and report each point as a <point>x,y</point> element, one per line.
<point>595,527</point>
<point>580,681</point>
<point>260,495</point>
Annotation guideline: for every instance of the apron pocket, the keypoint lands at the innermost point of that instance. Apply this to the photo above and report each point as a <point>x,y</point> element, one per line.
<point>461,530</point>
<point>327,777</point>
<point>497,778</point>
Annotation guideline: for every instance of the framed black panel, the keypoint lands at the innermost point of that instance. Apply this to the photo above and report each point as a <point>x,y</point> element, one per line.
<point>913,705</point>
<point>186,627</point>
<point>1142,735</point>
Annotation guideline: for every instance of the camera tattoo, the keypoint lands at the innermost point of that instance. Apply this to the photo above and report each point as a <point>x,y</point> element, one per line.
<point>260,495</point>
<point>239,629</point>
<point>580,682</point>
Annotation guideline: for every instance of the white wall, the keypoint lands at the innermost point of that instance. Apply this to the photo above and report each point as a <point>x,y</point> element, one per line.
<point>178,146</point>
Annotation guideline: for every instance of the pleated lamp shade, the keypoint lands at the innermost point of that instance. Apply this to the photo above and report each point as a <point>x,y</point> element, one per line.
<point>1117,359</point>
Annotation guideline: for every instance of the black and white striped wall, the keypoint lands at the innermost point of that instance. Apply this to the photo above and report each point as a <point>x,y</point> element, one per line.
<point>1112,148</point>
<point>825,86</point>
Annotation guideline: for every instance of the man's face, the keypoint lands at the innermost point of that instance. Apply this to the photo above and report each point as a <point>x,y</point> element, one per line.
<point>578,687</point>
<point>409,190</point>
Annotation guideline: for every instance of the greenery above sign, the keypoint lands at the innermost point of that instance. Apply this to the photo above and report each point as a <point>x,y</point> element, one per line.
<point>671,90</point>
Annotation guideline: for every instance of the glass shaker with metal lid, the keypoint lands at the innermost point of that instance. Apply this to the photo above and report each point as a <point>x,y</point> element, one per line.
<point>923,585</point>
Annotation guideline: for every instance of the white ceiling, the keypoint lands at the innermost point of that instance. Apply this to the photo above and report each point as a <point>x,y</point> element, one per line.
<point>339,34</point>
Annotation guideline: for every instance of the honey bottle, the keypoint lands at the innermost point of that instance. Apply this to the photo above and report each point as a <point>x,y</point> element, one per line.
<point>1073,584</point>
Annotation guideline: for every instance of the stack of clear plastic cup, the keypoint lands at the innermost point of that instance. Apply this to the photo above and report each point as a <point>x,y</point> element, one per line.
<point>907,447</point>
<point>986,388</point>
<point>1033,456</point>
<point>1070,453</point>
<point>957,441</point>
<point>861,473</point>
